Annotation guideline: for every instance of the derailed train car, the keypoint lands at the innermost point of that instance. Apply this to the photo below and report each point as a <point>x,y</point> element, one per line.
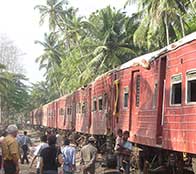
<point>152,96</point>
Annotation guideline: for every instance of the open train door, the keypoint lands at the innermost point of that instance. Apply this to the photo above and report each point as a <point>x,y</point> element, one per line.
<point>134,101</point>
<point>161,98</point>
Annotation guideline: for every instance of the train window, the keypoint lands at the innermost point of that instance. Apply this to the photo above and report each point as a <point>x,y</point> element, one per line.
<point>126,94</point>
<point>105,100</point>
<point>191,86</point>
<point>176,89</point>
<point>100,103</point>
<point>69,111</point>
<point>83,108</point>
<point>77,105</point>
<point>78,108</point>
<point>49,113</point>
<point>94,104</point>
<point>155,95</point>
<point>137,90</point>
<point>61,111</point>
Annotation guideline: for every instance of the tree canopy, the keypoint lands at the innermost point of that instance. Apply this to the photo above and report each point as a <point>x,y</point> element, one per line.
<point>77,48</point>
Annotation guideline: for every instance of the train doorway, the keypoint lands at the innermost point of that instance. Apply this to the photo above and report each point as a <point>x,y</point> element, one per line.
<point>161,98</point>
<point>134,100</point>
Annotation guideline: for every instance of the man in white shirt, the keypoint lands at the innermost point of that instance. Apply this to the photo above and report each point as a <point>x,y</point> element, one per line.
<point>37,152</point>
<point>59,139</point>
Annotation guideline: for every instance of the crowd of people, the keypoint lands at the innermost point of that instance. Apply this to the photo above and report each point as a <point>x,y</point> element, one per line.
<point>54,151</point>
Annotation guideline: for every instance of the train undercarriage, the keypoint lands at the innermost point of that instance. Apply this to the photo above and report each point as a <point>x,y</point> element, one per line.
<point>161,161</point>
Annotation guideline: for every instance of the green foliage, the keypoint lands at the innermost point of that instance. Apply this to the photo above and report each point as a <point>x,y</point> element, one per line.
<point>78,49</point>
<point>14,95</point>
<point>162,22</point>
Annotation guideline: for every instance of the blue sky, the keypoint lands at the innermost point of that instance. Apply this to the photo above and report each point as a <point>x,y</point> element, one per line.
<point>20,22</point>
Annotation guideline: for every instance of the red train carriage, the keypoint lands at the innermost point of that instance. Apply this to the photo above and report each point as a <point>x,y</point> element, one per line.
<point>101,98</point>
<point>179,116</point>
<point>83,109</point>
<point>60,104</point>
<point>136,105</point>
<point>37,116</point>
<point>161,99</point>
<point>44,115</point>
<point>69,119</point>
<point>52,114</point>
<point>49,115</point>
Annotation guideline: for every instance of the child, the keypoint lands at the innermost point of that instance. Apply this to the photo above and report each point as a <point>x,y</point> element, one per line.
<point>118,148</point>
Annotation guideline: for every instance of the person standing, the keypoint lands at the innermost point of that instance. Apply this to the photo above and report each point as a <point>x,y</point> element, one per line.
<point>118,148</point>
<point>126,152</point>
<point>25,142</point>
<point>1,158</point>
<point>88,156</point>
<point>59,139</point>
<point>69,157</point>
<point>10,151</point>
<point>38,151</point>
<point>48,157</point>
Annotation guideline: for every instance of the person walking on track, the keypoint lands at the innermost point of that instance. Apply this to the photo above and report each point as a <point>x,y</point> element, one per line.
<point>25,142</point>
<point>69,157</point>
<point>88,156</point>
<point>10,151</point>
<point>49,157</point>
<point>38,151</point>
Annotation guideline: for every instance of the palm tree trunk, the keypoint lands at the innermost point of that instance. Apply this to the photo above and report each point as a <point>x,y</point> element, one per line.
<point>182,26</point>
<point>57,85</point>
<point>166,28</point>
<point>193,7</point>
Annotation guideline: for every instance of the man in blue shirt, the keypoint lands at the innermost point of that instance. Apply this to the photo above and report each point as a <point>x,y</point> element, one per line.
<point>25,142</point>
<point>69,157</point>
<point>126,151</point>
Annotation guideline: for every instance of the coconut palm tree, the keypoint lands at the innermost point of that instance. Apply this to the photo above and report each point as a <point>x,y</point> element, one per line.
<point>110,41</point>
<point>50,60</point>
<point>162,22</point>
<point>52,11</point>
<point>4,79</point>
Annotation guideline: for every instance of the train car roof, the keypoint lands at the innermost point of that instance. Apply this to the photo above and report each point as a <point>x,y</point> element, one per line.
<point>145,59</point>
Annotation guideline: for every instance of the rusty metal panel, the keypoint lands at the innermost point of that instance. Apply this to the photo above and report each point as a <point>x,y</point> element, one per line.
<point>44,110</point>
<point>60,112</point>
